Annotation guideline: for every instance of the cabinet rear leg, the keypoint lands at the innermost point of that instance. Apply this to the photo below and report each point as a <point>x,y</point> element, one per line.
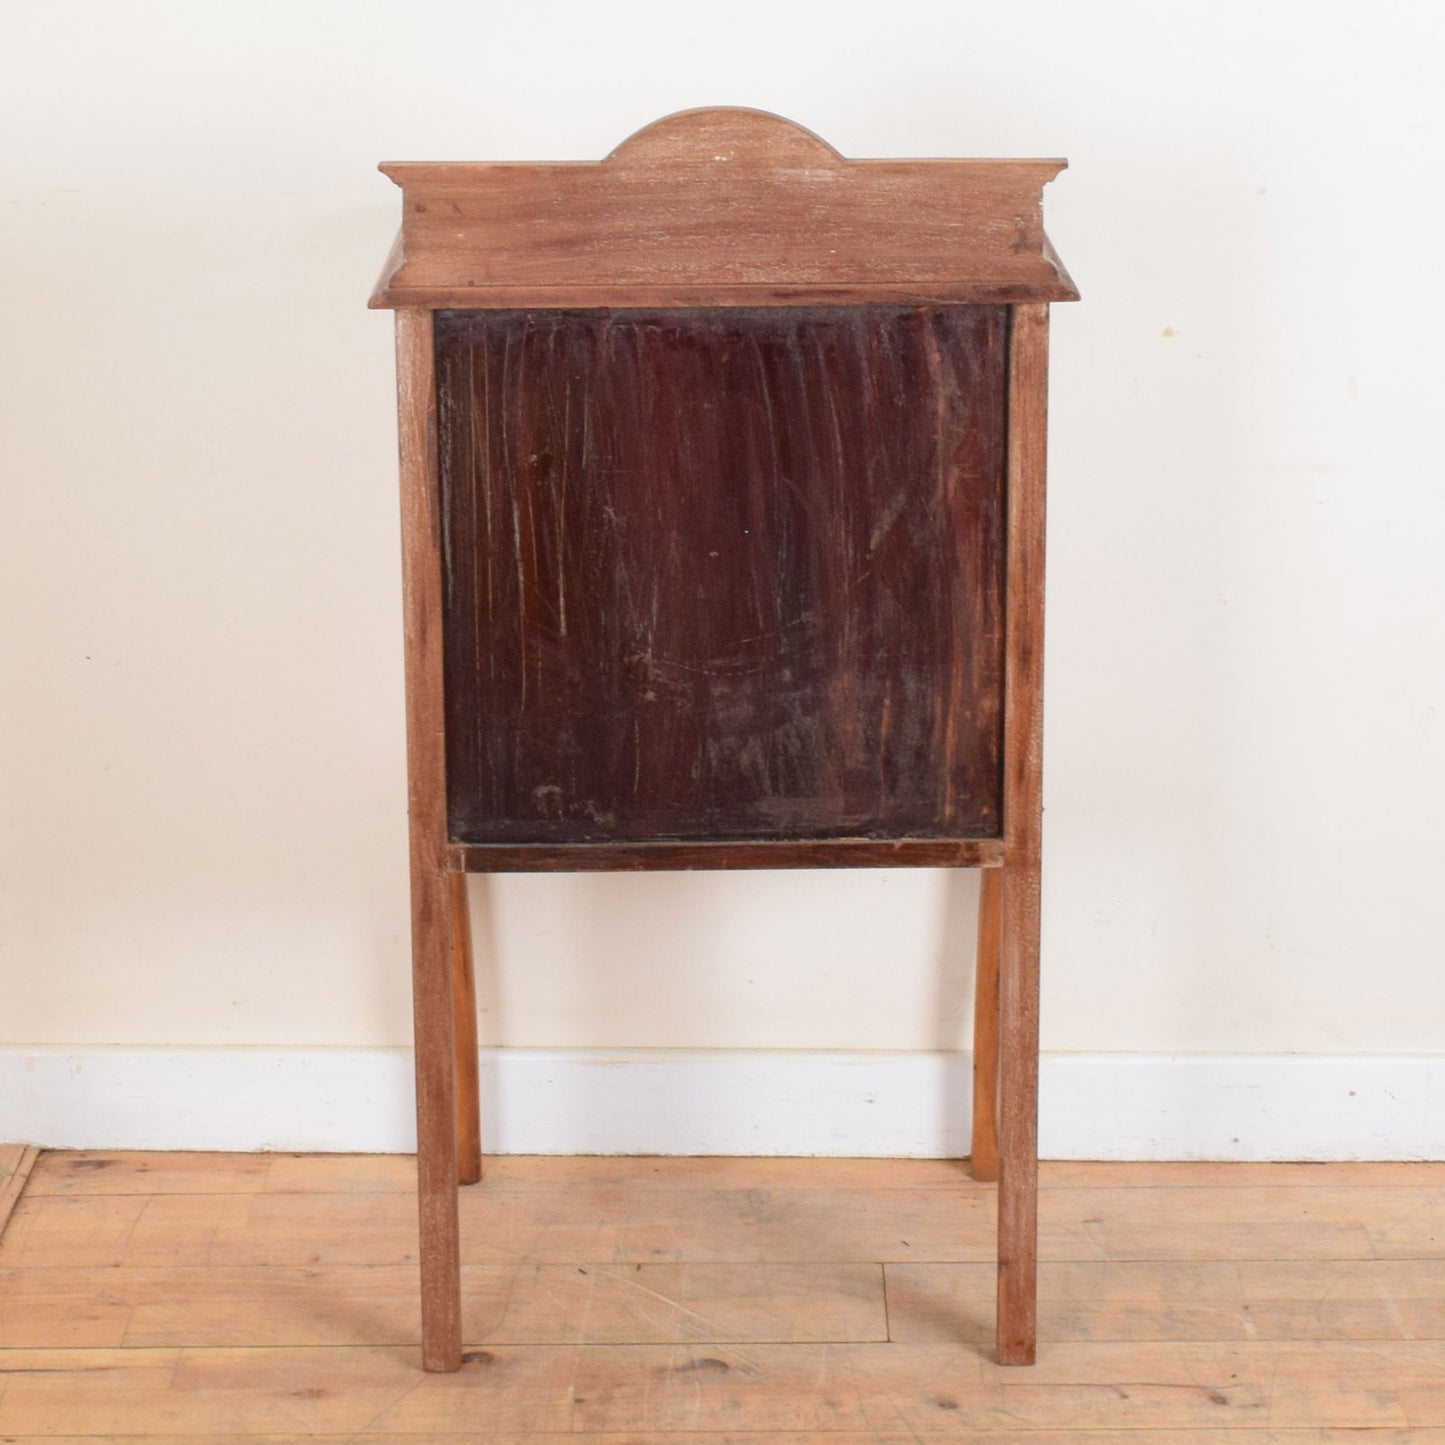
<point>464,994</point>
<point>1018,1225</point>
<point>983,1150</point>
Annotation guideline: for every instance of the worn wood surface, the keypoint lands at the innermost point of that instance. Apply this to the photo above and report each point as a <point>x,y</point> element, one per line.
<point>431,889</point>
<point>725,578</point>
<point>1383,1436</point>
<point>1023,826</point>
<point>1390,1186</point>
<point>721,207</point>
<point>767,853</point>
<point>723,574</point>
<point>464,997</point>
<point>16,1162</point>
<point>883,1437</point>
<point>610,1220</point>
<point>239,1306</point>
<point>210,1304</point>
<point>983,1148</point>
<point>1284,1436</point>
<point>863,1389</point>
<point>263,1305</point>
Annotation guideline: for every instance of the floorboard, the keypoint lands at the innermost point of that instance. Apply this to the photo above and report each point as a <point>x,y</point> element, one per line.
<point>265,1298</point>
<point>17,1161</point>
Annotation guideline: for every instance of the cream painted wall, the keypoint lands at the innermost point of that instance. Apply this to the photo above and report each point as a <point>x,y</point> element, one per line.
<point>204,797</point>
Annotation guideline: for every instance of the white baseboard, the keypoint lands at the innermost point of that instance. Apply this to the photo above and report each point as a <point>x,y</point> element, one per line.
<point>645,1101</point>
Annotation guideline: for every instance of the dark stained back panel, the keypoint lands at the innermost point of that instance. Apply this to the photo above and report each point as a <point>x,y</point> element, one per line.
<point>724,573</point>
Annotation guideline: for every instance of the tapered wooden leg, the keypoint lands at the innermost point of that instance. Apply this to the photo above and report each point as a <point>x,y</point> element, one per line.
<point>431,888</point>
<point>1018,1195</point>
<point>983,1152</point>
<point>464,995</point>
<point>1018,1222</point>
<point>436,1122</point>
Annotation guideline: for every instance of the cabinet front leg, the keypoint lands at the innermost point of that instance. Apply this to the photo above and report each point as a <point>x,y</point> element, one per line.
<point>1018,1222</point>
<point>436,1120</point>
<point>433,1004</point>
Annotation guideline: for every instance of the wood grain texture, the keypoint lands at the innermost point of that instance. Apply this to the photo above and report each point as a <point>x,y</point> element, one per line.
<point>1023,825</point>
<point>659,857</point>
<point>723,574</point>
<point>555,1219</point>
<point>677,1391</point>
<point>74,1174</point>
<point>721,583</point>
<point>1307,1435</point>
<point>16,1163</point>
<point>464,996</point>
<point>233,1307</point>
<point>721,207</point>
<point>1281,1436</point>
<point>199,1313</point>
<point>431,892</point>
<point>1197,1299</point>
<point>983,1148</point>
<point>1098,1300</point>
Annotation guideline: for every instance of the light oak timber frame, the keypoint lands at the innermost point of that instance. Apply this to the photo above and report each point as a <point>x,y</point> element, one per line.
<point>873,336</point>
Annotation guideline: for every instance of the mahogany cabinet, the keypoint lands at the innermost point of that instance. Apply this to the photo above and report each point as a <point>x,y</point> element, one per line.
<point>722,466</point>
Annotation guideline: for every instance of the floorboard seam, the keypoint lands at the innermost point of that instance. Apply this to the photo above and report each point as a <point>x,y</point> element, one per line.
<point>14,1186</point>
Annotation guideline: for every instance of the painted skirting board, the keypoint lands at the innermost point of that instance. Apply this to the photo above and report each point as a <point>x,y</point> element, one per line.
<point>646,1101</point>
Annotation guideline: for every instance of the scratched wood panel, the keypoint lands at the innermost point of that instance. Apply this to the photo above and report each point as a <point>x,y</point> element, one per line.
<point>1295,1349</point>
<point>723,574</point>
<point>1249,1435</point>
<point>583,1303</point>
<point>143,1172</point>
<point>674,1390</point>
<point>222,1307</point>
<point>1195,1299</point>
<point>598,1222</point>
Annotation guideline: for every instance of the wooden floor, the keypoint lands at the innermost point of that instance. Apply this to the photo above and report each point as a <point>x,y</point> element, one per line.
<point>273,1297</point>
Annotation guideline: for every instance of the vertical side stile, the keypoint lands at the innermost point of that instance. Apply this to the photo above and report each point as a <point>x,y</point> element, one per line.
<point>431,900</point>
<point>1023,820</point>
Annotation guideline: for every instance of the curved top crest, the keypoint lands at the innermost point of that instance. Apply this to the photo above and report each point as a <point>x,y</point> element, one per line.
<point>722,206</point>
<point>724,133</point>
